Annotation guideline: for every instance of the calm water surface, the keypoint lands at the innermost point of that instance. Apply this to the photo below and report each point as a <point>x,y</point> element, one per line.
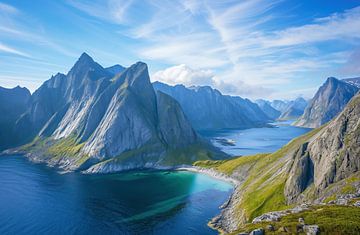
<point>254,140</point>
<point>35,199</point>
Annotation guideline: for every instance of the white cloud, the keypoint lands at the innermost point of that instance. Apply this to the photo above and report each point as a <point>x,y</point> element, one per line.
<point>182,74</point>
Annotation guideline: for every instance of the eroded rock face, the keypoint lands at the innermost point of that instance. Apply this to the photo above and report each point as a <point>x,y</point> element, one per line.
<point>330,156</point>
<point>329,101</point>
<point>301,174</point>
<point>94,114</point>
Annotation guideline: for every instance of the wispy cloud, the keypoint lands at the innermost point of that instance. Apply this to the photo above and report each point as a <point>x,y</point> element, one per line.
<point>113,11</point>
<point>7,49</point>
<point>5,8</point>
<point>249,44</point>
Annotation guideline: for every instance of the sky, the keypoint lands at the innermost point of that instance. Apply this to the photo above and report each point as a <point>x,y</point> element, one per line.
<point>272,49</point>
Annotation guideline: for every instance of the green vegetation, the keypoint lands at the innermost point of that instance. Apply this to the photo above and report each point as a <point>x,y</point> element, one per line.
<point>330,219</point>
<point>229,166</point>
<point>331,198</point>
<point>348,189</point>
<point>68,147</point>
<point>263,178</point>
<point>187,155</point>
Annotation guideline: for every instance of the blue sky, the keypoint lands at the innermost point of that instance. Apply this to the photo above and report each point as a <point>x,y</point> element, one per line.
<point>256,49</point>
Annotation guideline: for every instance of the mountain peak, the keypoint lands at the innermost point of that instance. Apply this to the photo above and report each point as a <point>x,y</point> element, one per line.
<point>85,57</point>
<point>85,66</point>
<point>331,80</point>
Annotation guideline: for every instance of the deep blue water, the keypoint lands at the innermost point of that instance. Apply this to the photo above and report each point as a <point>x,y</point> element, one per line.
<point>35,199</point>
<point>255,140</point>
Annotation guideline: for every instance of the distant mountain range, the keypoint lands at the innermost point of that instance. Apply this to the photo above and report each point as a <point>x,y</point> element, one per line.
<point>283,109</point>
<point>293,109</point>
<point>102,120</point>
<point>207,108</point>
<point>266,107</point>
<point>329,100</point>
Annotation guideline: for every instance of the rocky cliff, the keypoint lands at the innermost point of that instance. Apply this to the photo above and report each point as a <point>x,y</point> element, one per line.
<point>13,103</point>
<point>207,108</point>
<point>103,120</point>
<point>328,101</point>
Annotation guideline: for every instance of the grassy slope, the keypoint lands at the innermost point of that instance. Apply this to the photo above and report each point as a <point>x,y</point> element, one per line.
<point>56,150</point>
<point>262,190</point>
<point>330,219</point>
<point>69,148</point>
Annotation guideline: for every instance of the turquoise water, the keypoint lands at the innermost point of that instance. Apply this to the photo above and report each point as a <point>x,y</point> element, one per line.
<point>35,199</point>
<point>254,140</point>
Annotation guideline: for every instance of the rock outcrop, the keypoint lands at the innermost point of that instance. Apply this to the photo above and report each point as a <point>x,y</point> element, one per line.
<point>329,100</point>
<point>207,108</point>
<point>330,156</point>
<point>108,120</point>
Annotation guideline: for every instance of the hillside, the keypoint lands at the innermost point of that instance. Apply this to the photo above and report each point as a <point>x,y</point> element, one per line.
<point>318,166</point>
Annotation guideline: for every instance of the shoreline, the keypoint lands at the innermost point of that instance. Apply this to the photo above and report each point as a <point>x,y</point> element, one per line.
<point>194,169</point>
<point>209,172</point>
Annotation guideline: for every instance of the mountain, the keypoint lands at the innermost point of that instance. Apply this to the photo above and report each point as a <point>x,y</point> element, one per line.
<point>353,81</point>
<point>280,105</point>
<point>207,108</point>
<point>13,103</point>
<point>294,109</point>
<point>115,69</point>
<point>266,107</point>
<point>328,101</point>
<point>93,120</point>
<point>320,166</point>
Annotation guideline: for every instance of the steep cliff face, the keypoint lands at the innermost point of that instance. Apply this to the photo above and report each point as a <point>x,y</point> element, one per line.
<point>109,118</point>
<point>328,101</point>
<point>332,155</point>
<point>207,108</point>
<point>13,103</point>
